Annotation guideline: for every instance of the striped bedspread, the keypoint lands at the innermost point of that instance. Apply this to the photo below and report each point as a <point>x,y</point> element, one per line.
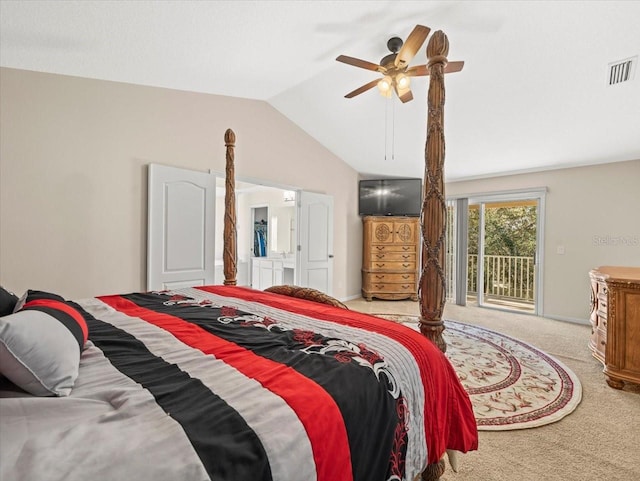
<point>228,383</point>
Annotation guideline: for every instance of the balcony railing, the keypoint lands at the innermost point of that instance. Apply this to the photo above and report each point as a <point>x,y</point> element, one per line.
<point>510,278</point>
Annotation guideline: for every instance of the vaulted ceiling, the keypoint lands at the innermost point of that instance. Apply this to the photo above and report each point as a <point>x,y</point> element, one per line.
<point>534,93</point>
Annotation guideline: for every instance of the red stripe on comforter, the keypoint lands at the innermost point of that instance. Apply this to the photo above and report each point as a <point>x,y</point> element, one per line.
<point>449,419</point>
<point>328,439</point>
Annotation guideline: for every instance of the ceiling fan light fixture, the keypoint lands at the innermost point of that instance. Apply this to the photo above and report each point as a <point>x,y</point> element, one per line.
<point>384,85</point>
<point>402,81</point>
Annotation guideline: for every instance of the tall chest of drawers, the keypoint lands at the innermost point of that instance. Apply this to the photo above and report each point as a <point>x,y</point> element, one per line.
<point>390,257</point>
<point>615,323</point>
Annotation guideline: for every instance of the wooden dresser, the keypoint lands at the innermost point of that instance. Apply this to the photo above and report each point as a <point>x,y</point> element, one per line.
<point>615,323</point>
<point>390,257</point>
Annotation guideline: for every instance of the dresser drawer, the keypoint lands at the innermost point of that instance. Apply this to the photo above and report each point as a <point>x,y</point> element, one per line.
<point>598,344</point>
<point>602,312</point>
<point>394,278</point>
<point>392,266</point>
<point>383,249</point>
<point>393,257</point>
<point>602,298</point>
<point>601,322</point>
<point>390,288</point>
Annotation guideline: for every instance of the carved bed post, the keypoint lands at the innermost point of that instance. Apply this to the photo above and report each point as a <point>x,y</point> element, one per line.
<point>432,285</point>
<point>229,257</point>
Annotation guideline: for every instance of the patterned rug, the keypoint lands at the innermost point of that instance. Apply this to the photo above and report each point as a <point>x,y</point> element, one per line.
<point>512,385</point>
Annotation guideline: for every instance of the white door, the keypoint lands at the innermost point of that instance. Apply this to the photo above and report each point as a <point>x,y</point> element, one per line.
<point>315,242</point>
<point>181,227</point>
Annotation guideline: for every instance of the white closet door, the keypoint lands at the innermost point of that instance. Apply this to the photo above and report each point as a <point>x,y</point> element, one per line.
<point>181,227</point>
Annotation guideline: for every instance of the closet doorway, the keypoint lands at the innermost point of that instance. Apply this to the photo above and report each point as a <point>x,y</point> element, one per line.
<point>260,223</point>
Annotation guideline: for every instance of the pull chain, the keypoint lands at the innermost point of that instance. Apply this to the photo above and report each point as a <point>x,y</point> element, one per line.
<point>393,128</point>
<point>386,127</point>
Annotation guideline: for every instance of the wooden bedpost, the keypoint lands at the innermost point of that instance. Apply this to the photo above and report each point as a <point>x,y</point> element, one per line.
<point>434,471</point>
<point>432,285</point>
<point>229,257</point>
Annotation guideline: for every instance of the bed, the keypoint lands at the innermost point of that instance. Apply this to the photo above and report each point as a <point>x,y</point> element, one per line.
<point>222,383</point>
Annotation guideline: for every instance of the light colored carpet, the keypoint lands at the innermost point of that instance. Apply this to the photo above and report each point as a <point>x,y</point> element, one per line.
<point>600,440</point>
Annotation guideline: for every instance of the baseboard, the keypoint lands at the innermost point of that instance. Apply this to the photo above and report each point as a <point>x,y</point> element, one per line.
<point>351,298</point>
<point>573,320</point>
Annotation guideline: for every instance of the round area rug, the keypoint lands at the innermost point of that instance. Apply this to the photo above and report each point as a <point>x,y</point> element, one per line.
<point>511,384</point>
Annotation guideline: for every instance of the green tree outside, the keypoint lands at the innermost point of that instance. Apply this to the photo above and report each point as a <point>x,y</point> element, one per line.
<point>509,231</point>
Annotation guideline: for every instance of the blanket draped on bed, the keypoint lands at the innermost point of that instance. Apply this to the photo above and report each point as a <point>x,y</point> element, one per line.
<point>228,383</point>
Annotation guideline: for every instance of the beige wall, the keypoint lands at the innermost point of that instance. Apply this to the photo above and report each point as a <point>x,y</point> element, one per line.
<point>593,212</point>
<point>73,156</point>
<point>73,186</point>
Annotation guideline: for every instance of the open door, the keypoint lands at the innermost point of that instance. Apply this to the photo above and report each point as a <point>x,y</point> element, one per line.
<point>504,245</point>
<point>181,228</point>
<point>315,241</point>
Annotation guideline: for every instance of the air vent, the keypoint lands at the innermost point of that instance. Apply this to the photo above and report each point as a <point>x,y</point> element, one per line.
<point>622,71</point>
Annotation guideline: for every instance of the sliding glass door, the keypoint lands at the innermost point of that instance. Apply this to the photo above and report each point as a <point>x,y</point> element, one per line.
<point>497,251</point>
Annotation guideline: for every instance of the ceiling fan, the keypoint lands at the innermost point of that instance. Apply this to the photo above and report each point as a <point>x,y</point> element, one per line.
<point>395,66</point>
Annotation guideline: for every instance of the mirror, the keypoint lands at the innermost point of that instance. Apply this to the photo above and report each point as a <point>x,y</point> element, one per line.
<point>282,229</point>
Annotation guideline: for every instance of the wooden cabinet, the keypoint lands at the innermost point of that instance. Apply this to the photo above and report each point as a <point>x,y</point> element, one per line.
<point>390,257</point>
<point>615,323</point>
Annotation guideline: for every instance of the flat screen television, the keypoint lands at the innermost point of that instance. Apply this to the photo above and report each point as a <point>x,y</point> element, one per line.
<point>390,197</point>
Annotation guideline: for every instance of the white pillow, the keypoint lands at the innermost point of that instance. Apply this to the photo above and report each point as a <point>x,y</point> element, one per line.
<point>40,346</point>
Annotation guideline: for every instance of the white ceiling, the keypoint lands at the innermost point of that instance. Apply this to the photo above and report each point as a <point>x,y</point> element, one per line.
<point>533,94</point>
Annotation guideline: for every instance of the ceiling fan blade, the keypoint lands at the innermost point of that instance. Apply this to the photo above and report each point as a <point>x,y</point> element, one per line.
<point>403,94</point>
<point>454,67</point>
<point>356,62</point>
<point>422,70</point>
<point>411,45</point>
<point>406,96</point>
<point>362,89</point>
<point>417,71</point>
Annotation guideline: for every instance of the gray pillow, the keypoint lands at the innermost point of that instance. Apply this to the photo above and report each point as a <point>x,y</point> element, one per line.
<point>41,343</point>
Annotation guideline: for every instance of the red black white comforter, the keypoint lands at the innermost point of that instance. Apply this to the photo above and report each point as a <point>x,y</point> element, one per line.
<point>228,383</point>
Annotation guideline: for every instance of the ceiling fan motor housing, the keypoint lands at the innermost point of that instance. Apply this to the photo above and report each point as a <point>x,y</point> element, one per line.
<point>388,60</point>
<point>394,44</point>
